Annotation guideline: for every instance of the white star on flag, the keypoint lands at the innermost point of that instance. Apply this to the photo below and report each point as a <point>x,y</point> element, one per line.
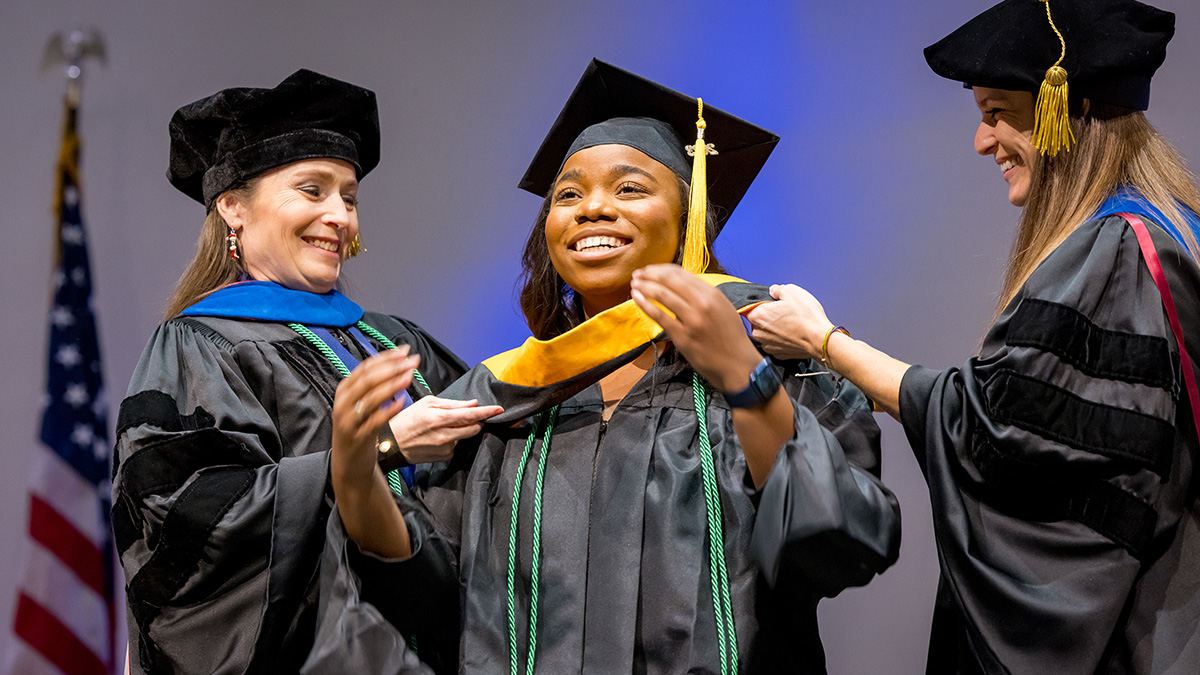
<point>62,317</point>
<point>72,234</point>
<point>100,406</point>
<point>71,195</point>
<point>68,356</point>
<point>77,394</point>
<point>83,435</point>
<point>78,276</point>
<point>100,450</point>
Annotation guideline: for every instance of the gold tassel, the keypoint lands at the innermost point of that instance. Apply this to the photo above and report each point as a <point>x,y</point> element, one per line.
<point>1052,121</point>
<point>695,240</point>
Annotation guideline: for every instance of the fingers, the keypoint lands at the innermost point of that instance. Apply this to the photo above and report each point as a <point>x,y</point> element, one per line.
<point>663,297</point>
<point>459,417</point>
<point>669,323</point>
<point>360,398</point>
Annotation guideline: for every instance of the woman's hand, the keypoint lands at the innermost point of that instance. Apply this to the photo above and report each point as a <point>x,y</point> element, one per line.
<point>365,504</point>
<point>701,323</point>
<point>359,412</point>
<point>427,430</point>
<point>793,327</point>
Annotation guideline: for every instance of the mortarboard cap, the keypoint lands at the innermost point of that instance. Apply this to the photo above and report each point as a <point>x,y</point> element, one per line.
<point>611,105</point>
<point>237,134</point>
<point>1112,49</point>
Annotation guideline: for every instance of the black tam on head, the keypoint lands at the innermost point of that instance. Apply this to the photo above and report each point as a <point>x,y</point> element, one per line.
<point>1113,48</point>
<point>237,134</point>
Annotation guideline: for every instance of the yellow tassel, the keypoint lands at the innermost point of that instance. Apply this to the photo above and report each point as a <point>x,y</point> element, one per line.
<point>1052,121</point>
<point>695,240</point>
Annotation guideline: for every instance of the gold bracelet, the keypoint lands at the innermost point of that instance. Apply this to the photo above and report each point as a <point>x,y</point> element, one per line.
<point>825,343</point>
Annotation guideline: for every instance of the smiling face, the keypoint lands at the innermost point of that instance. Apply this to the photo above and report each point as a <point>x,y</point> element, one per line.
<point>1005,134</point>
<point>296,227</point>
<point>613,210</point>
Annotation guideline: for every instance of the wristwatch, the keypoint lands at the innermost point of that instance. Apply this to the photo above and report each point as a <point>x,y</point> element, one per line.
<point>764,382</point>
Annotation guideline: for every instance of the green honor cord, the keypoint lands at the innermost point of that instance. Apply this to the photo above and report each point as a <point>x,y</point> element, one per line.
<point>393,477</point>
<point>718,576</point>
<point>536,554</point>
<point>717,572</point>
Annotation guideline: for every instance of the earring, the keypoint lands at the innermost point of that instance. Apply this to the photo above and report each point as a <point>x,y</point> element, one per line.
<point>355,247</point>
<point>233,244</point>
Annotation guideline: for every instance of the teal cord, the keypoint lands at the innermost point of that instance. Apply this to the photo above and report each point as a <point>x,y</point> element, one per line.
<point>382,339</point>
<point>535,558</point>
<point>718,575</point>
<point>393,477</point>
<point>321,347</point>
<point>718,572</point>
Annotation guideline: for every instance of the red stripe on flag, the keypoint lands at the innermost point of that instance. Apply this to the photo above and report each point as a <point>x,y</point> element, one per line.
<point>57,535</point>
<point>42,631</point>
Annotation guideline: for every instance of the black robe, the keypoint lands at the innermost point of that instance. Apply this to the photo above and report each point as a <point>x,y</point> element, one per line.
<point>222,500</point>
<point>1061,466</point>
<point>624,577</point>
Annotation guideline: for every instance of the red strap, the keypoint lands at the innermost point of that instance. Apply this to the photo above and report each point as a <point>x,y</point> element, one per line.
<point>1160,280</point>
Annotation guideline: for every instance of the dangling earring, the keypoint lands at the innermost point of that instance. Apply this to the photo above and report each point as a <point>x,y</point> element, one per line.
<point>233,244</point>
<point>355,247</point>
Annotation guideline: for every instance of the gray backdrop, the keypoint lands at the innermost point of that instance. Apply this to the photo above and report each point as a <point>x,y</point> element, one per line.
<point>874,199</point>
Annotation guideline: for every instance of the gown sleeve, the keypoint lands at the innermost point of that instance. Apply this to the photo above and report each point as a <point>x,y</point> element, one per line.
<point>222,500</point>
<point>1059,460</point>
<point>825,521</point>
<point>214,525</point>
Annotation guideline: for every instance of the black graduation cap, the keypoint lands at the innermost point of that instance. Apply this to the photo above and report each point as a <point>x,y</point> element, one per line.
<point>238,133</point>
<point>1112,48</point>
<point>611,105</point>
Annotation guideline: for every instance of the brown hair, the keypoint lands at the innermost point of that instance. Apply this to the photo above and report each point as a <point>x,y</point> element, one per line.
<point>549,305</point>
<point>1114,147</point>
<point>211,267</point>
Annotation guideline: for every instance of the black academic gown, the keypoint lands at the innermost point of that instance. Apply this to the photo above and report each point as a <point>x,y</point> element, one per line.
<point>1061,465</point>
<point>222,501</point>
<point>625,585</point>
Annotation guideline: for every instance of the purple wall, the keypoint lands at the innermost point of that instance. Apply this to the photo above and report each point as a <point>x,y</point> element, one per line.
<point>874,199</point>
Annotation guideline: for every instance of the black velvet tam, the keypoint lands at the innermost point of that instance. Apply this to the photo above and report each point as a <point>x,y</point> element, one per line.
<point>236,134</point>
<point>611,105</point>
<point>1113,48</point>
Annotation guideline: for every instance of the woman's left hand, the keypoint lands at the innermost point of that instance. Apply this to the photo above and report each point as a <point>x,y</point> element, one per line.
<point>701,322</point>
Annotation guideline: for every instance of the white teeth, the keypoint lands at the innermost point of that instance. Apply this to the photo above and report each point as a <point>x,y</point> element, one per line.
<point>321,244</point>
<point>598,242</point>
<point>1008,164</point>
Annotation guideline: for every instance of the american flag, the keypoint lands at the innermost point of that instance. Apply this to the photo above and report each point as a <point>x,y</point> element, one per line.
<point>63,622</point>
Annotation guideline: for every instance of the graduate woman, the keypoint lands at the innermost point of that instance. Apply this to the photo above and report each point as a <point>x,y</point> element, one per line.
<point>1062,460</point>
<point>613,531</point>
<point>234,438</point>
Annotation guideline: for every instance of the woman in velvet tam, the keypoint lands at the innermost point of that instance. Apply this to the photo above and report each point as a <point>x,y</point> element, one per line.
<point>238,441</point>
<point>1061,461</point>
<point>662,504</point>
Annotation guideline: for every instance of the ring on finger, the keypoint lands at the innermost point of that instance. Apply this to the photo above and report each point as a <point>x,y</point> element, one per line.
<point>359,411</point>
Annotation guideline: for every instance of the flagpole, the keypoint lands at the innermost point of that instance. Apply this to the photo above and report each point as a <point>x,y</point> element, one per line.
<point>64,615</point>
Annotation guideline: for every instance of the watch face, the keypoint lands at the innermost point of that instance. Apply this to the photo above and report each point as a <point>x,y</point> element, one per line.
<point>766,382</point>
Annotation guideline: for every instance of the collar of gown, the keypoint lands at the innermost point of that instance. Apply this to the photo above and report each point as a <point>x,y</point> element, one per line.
<point>1129,200</point>
<point>269,301</point>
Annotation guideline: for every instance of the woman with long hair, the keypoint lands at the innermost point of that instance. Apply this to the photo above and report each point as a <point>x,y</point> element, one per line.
<point>237,440</point>
<point>669,500</point>
<point>1061,461</point>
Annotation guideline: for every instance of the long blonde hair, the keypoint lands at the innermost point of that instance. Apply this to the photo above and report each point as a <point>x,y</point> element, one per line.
<point>211,267</point>
<point>1115,146</point>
